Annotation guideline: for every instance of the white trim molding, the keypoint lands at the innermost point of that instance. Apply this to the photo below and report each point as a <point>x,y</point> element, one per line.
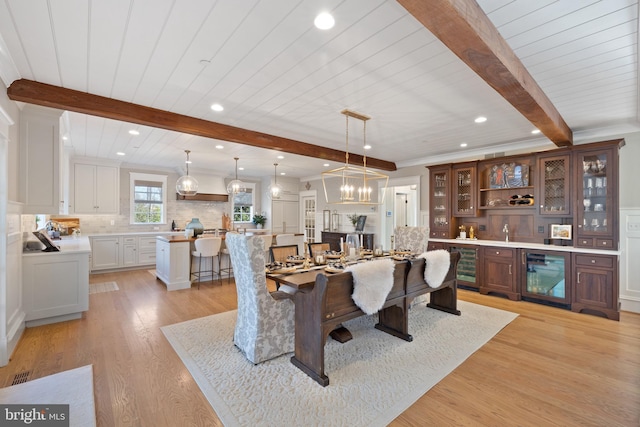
<point>629,266</point>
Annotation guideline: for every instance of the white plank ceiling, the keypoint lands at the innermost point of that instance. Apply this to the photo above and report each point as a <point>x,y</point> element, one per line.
<point>274,72</point>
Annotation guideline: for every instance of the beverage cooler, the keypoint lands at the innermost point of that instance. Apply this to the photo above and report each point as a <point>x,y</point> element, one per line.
<point>546,277</point>
<point>467,266</point>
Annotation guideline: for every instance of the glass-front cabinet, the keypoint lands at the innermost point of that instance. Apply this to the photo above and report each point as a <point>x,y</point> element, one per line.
<point>597,206</point>
<point>467,272</point>
<point>439,202</point>
<point>554,185</point>
<point>465,190</point>
<point>545,276</point>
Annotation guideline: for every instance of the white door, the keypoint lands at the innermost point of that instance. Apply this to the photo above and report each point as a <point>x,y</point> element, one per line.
<point>308,203</point>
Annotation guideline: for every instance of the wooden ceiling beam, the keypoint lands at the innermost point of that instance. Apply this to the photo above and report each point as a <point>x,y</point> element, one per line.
<point>467,31</point>
<point>81,102</point>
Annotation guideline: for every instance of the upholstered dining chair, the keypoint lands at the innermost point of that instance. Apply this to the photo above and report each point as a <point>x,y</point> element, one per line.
<point>414,238</point>
<point>318,248</point>
<point>280,253</point>
<point>207,247</point>
<point>265,320</point>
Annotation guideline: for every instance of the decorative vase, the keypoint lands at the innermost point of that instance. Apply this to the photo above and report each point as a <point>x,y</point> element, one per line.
<point>259,226</point>
<point>197,227</point>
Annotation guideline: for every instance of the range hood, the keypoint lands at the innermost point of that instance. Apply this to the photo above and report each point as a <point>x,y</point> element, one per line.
<point>211,188</point>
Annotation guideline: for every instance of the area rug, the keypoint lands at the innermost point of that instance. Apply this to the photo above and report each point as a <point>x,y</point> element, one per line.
<point>373,378</point>
<point>96,288</point>
<point>73,388</point>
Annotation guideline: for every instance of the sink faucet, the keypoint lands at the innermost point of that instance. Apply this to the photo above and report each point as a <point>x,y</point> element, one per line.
<point>505,230</point>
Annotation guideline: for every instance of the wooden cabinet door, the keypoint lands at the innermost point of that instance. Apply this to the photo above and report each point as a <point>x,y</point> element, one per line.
<point>595,285</point>
<point>500,275</point>
<point>440,202</point>
<point>465,190</point>
<point>554,185</point>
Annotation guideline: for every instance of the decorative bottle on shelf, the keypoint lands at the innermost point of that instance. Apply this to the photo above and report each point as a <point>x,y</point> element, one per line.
<point>197,227</point>
<point>173,225</point>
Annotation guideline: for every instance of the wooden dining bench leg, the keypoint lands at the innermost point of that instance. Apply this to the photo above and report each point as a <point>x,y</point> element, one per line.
<point>394,320</point>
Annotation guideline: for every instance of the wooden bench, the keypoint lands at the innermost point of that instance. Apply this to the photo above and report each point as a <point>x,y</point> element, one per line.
<point>328,304</point>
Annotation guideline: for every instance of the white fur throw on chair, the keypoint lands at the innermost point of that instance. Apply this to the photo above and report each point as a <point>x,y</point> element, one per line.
<point>372,282</point>
<point>436,266</point>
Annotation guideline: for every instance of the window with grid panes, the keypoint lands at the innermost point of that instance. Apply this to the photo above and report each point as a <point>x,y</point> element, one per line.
<point>148,196</point>
<point>243,206</point>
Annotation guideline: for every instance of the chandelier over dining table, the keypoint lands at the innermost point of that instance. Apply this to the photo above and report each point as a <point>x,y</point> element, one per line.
<point>354,184</point>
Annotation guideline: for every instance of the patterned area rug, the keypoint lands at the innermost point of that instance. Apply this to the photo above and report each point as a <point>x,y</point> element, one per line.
<point>373,378</point>
<point>74,388</point>
<point>96,288</point>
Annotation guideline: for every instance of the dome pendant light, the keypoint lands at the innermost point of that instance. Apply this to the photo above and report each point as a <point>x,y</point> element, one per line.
<point>186,184</point>
<point>275,189</point>
<point>236,186</point>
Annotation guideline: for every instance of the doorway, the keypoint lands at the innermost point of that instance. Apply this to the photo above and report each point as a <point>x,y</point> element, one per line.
<point>401,207</point>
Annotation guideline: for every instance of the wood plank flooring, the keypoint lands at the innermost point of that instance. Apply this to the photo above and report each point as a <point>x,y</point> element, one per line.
<point>548,367</point>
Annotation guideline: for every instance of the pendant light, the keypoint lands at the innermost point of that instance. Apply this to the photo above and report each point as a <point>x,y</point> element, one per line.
<point>354,183</point>
<point>236,186</point>
<point>186,184</point>
<point>275,189</point>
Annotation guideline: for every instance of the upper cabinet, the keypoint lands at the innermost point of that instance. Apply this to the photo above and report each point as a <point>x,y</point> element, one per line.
<point>42,162</point>
<point>596,219</point>
<point>506,183</point>
<point>440,202</point>
<point>95,188</point>
<point>554,184</point>
<point>465,189</point>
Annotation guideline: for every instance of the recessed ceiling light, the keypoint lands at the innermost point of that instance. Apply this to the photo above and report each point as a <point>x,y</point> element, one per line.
<point>120,153</point>
<point>464,144</point>
<point>283,173</point>
<point>326,165</point>
<point>367,147</point>
<point>64,138</point>
<point>480,119</point>
<point>324,21</point>
<point>134,132</point>
<point>219,147</point>
<point>280,157</point>
<point>535,131</point>
<point>240,169</point>
<point>217,107</point>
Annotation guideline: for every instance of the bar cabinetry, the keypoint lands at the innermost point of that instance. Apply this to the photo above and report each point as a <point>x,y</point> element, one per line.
<point>440,203</point>
<point>500,272</point>
<point>596,219</point>
<point>595,284</point>
<point>545,276</point>
<point>554,185</point>
<point>467,273</point>
<point>465,190</point>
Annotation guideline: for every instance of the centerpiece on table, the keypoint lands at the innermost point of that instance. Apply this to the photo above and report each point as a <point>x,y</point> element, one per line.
<point>259,220</point>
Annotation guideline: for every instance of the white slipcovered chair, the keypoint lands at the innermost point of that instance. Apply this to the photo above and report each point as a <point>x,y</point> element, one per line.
<point>414,238</point>
<point>265,321</point>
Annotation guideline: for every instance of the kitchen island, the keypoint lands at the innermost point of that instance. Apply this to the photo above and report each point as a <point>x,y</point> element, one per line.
<point>173,261</point>
<point>56,284</point>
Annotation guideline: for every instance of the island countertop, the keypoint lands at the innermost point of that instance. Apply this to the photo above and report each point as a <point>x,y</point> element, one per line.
<point>67,245</point>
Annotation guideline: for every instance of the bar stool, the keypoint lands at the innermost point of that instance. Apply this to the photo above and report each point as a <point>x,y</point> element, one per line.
<point>208,247</point>
<point>229,269</point>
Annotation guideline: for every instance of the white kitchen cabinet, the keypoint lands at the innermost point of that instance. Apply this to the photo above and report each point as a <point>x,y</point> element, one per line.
<point>95,189</point>
<point>41,157</point>
<point>56,284</point>
<point>129,251</point>
<point>105,252</point>
<point>284,216</point>
<point>172,263</point>
<point>146,250</point>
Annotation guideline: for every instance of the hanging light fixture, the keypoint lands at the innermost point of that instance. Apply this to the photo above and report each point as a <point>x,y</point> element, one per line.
<point>236,186</point>
<point>275,189</point>
<point>186,184</point>
<point>354,184</point>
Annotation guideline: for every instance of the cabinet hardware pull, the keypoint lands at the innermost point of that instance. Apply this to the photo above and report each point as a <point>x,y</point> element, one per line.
<point>497,252</point>
<point>593,261</point>
<point>509,268</point>
<point>523,259</point>
<point>578,277</point>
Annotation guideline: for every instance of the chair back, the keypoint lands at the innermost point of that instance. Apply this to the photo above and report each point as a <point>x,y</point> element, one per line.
<point>280,253</point>
<point>318,248</point>
<point>414,238</point>
<point>208,246</point>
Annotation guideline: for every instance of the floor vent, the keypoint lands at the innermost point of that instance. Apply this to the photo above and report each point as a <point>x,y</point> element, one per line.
<point>20,378</point>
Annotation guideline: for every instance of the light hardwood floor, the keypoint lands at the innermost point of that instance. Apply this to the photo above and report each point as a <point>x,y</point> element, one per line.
<point>548,367</point>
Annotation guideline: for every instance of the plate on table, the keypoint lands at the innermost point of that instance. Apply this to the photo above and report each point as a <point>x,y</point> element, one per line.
<point>297,259</point>
<point>282,270</point>
<point>332,256</point>
<point>334,269</point>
